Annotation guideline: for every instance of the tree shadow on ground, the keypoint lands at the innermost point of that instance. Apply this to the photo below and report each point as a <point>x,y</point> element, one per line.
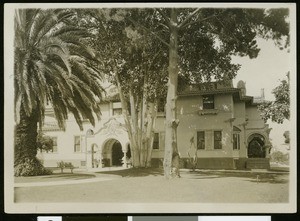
<point>251,176</point>
<point>72,176</point>
<point>136,172</point>
<point>54,177</point>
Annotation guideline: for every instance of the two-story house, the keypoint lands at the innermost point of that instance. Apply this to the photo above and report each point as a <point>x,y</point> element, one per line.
<point>219,125</point>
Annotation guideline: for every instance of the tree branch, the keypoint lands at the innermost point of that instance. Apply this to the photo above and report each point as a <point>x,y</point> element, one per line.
<point>159,10</point>
<point>202,20</point>
<point>151,32</point>
<point>163,25</point>
<point>226,28</point>
<point>188,18</point>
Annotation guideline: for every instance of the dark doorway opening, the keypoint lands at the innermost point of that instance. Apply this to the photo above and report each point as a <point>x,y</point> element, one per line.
<point>117,154</point>
<point>128,154</point>
<point>256,148</point>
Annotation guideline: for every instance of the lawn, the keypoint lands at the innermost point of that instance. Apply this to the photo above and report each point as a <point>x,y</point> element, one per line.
<point>150,186</point>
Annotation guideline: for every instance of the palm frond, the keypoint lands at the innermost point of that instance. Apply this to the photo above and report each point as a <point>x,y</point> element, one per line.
<point>54,63</point>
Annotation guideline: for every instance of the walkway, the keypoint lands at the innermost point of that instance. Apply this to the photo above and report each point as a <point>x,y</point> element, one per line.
<point>96,177</point>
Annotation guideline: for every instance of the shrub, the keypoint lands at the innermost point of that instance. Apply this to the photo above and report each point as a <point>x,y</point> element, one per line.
<point>30,167</point>
<point>279,157</point>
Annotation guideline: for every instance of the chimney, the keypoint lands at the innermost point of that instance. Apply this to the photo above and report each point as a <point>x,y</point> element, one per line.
<point>262,94</point>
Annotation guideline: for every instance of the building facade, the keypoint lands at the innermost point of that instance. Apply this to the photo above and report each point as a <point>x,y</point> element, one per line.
<point>219,126</point>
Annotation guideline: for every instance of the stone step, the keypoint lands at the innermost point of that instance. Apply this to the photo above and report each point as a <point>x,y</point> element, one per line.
<point>258,163</point>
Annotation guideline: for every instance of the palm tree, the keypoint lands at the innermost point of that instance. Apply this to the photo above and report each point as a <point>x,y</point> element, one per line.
<point>54,65</point>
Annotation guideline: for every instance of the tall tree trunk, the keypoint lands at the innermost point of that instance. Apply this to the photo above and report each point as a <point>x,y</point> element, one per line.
<point>129,124</point>
<point>143,138</point>
<point>135,131</point>
<point>149,132</point>
<point>139,125</point>
<point>144,121</point>
<point>25,162</point>
<point>171,118</point>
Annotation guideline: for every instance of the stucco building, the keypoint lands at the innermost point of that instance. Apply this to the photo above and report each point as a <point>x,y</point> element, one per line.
<point>219,124</point>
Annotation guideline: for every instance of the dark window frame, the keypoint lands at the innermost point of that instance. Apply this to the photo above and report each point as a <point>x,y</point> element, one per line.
<point>155,145</point>
<point>217,140</point>
<point>200,140</point>
<point>236,141</point>
<point>77,146</point>
<point>161,104</point>
<point>54,146</point>
<point>117,111</point>
<point>208,102</point>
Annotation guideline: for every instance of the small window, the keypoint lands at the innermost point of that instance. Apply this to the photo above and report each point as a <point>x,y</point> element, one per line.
<point>54,147</point>
<point>217,139</point>
<point>77,144</point>
<point>117,111</point>
<point>156,141</point>
<point>208,102</point>
<point>236,141</point>
<point>200,140</point>
<point>161,105</point>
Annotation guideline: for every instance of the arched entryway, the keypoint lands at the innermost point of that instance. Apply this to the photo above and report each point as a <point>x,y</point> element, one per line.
<point>112,153</point>
<point>128,153</point>
<point>256,146</point>
<point>116,154</point>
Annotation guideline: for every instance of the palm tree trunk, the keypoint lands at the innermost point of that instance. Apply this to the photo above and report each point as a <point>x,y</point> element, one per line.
<point>25,162</point>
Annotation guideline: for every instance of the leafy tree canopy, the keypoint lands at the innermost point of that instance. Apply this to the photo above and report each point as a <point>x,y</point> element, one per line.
<point>44,142</point>
<point>279,109</point>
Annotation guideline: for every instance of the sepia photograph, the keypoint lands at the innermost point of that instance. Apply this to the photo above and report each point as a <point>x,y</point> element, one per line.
<point>150,108</point>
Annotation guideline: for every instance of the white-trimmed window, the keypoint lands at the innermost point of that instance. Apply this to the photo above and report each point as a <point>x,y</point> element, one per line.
<point>236,138</point>
<point>54,147</point>
<point>116,109</point>
<point>156,141</point>
<point>217,139</point>
<point>161,105</point>
<point>200,140</point>
<point>77,144</point>
<point>208,102</point>
<point>236,141</point>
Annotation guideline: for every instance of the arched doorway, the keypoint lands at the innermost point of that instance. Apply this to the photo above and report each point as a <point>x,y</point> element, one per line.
<point>116,154</point>
<point>112,153</point>
<point>128,153</point>
<point>256,146</point>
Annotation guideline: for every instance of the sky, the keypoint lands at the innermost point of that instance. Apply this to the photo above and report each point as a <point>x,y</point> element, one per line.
<point>265,72</point>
